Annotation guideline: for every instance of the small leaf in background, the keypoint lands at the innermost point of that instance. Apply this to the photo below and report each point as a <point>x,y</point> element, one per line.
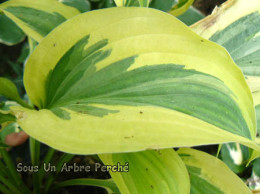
<point>5,106</point>
<point>10,33</point>
<point>256,167</point>
<point>8,89</point>
<point>32,44</point>
<point>120,3</point>
<point>163,5</point>
<point>99,4</point>
<point>10,128</point>
<point>6,118</point>
<point>258,119</point>
<point>209,175</point>
<point>144,3</point>
<point>191,16</point>
<point>132,3</point>
<point>81,5</point>
<point>23,55</point>
<point>150,172</point>
<point>235,156</point>
<point>181,7</point>
<point>254,181</point>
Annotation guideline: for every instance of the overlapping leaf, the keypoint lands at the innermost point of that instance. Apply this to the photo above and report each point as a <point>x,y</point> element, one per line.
<point>10,33</point>
<point>9,90</point>
<point>111,87</point>
<point>209,175</point>
<point>162,5</point>
<point>153,172</point>
<point>37,18</point>
<point>191,16</point>
<point>81,5</point>
<point>236,26</point>
<point>235,156</point>
<point>181,7</point>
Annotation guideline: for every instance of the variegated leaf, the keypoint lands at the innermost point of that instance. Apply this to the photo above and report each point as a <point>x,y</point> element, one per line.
<point>110,87</point>
<point>37,18</point>
<point>149,172</point>
<point>209,175</point>
<point>10,33</point>
<point>236,26</point>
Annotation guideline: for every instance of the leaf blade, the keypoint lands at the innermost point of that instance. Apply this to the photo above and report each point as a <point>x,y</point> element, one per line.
<point>209,174</point>
<point>28,15</point>
<point>145,169</point>
<point>130,87</point>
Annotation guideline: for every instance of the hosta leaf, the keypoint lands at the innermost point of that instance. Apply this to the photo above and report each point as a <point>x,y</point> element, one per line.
<point>191,16</point>
<point>132,3</point>
<point>235,156</point>
<point>37,18</point>
<point>165,5</point>
<point>181,7</point>
<point>120,3</point>
<point>149,172</point>
<point>236,26</point>
<point>239,34</point>
<point>10,33</point>
<point>210,175</point>
<point>9,90</point>
<point>256,167</point>
<point>256,97</point>
<point>6,117</point>
<point>10,128</point>
<point>5,106</point>
<point>111,88</point>
<point>81,5</point>
<point>144,3</point>
<point>258,118</point>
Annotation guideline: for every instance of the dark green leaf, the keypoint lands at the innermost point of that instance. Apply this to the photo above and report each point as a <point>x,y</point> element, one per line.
<point>81,5</point>
<point>10,33</point>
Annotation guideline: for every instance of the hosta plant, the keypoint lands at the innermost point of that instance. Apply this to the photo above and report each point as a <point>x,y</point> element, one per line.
<point>131,83</point>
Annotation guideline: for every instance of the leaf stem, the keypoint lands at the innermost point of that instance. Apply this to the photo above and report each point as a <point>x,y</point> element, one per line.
<point>64,159</point>
<point>35,148</point>
<point>12,170</point>
<point>46,160</point>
